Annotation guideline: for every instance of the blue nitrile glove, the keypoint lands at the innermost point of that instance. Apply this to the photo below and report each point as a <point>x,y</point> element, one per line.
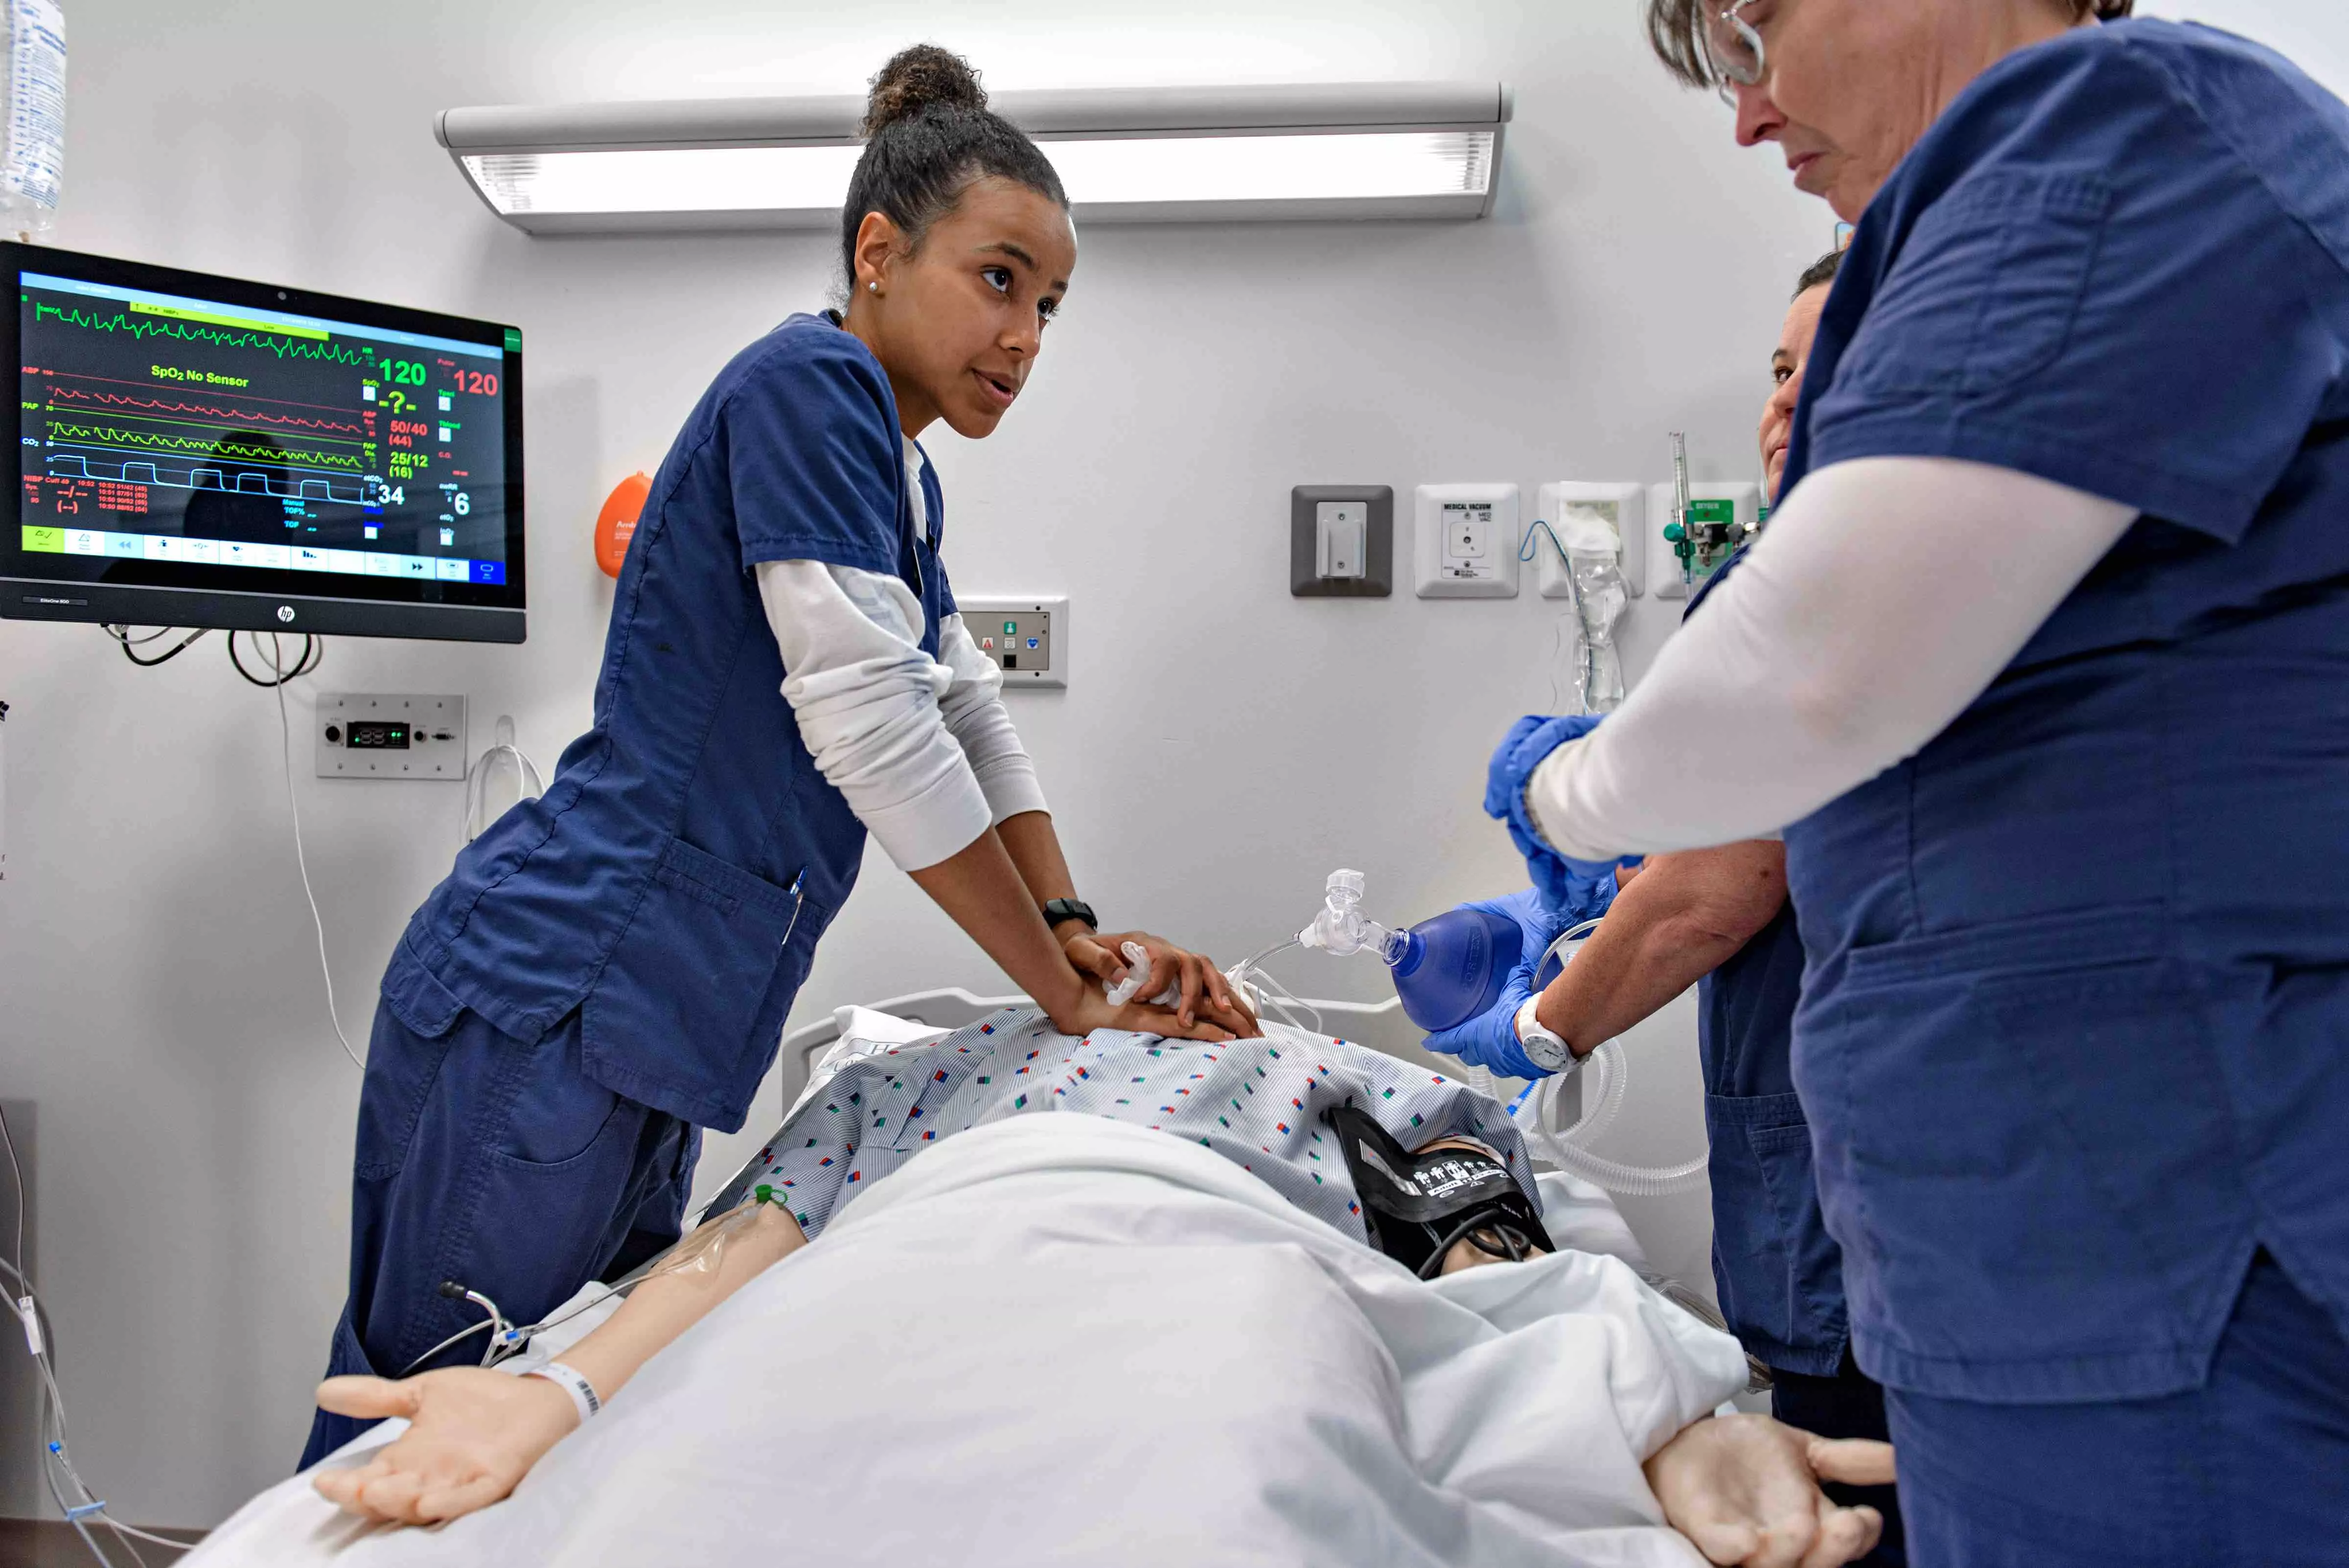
<point>1565,882</point>
<point>1489,1040</point>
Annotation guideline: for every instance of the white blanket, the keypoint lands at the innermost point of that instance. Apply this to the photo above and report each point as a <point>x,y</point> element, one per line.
<point>1065,1340</point>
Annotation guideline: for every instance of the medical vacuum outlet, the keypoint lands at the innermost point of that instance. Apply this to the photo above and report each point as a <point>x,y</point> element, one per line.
<point>1465,545</point>
<point>1341,541</point>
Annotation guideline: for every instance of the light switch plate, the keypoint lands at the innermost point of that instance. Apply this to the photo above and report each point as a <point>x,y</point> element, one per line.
<point>1377,579</point>
<point>379,735</point>
<point>1027,635</point>
<point>1465,542</point>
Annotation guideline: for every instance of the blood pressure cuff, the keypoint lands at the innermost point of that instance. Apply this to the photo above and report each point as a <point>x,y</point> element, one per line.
<point>1416,1206</point>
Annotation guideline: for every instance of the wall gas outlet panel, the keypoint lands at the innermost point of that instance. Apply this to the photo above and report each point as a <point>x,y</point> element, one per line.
<point>1341,541</point>
<point>1028,636</point>
<point>1570,509</point>
<point>1720,516</point>
<point>375,735</point>
<point>1467,542</point>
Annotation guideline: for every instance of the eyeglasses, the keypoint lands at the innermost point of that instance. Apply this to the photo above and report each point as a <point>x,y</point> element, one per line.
<point>1734,51</point>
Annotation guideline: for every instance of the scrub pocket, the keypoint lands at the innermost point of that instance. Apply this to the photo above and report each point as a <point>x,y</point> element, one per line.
<point>1778,1273</point>
<point>2017,1148</point>
<point>1986,288</point>
<point>411,1039</point>
<point>689,1009</point>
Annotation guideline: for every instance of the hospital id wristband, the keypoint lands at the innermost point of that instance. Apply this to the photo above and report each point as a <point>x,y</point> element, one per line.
<point>573,1382</point>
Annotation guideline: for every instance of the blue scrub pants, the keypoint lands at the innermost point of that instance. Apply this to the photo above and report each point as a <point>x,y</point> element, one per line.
<point>2250,1470</point>
<point>1849,1405</point>
<point>499,1165</point>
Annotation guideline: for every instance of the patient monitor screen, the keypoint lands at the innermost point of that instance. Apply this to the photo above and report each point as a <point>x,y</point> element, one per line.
<point>176,439</point>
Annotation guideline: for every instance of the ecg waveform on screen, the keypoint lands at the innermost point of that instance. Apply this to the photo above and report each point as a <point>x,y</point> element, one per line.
<point>153,441</point>
<point>73,465</point>
<point>194,332</point>
<point>160,408</point>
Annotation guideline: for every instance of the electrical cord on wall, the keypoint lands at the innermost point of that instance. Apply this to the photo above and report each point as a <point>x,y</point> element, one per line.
<point>314,653</point>
<point>310,660</point>
<point>72,1495</point>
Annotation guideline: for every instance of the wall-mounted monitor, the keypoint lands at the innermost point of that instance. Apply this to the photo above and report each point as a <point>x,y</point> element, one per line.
<point>207,452</point>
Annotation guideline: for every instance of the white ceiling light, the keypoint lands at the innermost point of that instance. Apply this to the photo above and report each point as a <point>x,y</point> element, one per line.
<point>1401,149</point>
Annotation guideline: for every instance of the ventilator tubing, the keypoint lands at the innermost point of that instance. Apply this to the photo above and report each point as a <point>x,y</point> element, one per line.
<point>1536,1111</point>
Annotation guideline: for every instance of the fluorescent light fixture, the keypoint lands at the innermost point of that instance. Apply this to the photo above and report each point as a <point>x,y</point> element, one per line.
<point>1403,149</point>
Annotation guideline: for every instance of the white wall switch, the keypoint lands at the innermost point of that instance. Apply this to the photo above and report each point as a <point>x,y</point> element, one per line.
<point>1342,530</point>
<point>375,735</point>
<point>1465,543</point>
<point>1027,636</point>
<point>1567,509</point>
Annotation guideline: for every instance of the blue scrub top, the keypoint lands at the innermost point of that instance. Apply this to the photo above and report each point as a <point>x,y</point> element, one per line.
<point>672,882</point>
<point>2075,1036</point>
<point>1778,1273</point>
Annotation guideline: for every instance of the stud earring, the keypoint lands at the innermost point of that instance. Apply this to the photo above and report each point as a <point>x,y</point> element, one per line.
<point>873,288</point>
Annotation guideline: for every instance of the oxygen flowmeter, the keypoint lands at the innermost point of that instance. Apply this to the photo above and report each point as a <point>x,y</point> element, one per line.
<point>1703,526</point>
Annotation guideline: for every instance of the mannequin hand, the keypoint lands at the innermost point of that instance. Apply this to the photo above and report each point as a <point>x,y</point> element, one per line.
<point>1745,1490</point>
<point>472,1435</point>
<point>1204,991</point>
<point>1089,1009</point>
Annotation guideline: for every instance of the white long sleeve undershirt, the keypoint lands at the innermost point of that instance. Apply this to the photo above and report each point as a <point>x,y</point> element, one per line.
<point>921,747</point>
<point>1886,594</point>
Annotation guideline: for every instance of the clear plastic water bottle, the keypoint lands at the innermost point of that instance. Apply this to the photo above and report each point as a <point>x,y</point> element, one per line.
<point>31,117</point>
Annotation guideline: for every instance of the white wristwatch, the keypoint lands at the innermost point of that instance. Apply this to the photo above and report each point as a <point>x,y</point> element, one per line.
<point>1544,1048</point>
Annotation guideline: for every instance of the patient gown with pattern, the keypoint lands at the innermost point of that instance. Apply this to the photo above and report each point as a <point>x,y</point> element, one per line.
<point>1257,1103</point>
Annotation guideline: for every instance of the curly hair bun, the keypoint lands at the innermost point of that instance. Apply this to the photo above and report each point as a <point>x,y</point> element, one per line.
<point>924,76</point>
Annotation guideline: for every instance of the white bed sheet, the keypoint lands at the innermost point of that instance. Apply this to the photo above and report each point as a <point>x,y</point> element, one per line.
<point>1064,1340</point>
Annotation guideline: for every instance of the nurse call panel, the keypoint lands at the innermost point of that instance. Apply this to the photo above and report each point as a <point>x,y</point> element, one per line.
<point>207,452</point>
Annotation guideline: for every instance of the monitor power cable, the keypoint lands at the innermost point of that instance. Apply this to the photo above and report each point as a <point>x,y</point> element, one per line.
<point>314,653</point>
<point>308,661</point>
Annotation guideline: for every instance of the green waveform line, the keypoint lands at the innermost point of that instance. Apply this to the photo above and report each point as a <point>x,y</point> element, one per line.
<point>283,348</point>
<point>153,442</point>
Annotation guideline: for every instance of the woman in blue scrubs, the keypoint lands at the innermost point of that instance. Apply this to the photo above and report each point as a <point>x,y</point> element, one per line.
<point>2040,669</point>
<point>607,969</point>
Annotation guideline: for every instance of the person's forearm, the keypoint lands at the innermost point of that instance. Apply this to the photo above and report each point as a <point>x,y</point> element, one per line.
<point>1034,846</point>
<point>1887,593</point>
<point>986,893</point>
<point>665,1306</point>
<point>1682,917</point>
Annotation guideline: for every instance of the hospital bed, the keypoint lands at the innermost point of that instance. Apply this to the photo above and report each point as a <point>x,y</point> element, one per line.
<point>1414,1421</point>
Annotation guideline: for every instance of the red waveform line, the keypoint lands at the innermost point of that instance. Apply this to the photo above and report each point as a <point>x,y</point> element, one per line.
<point>119,382</point>
<point>240,416</point>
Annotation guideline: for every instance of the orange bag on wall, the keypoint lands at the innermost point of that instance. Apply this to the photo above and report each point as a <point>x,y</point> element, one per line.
<point>616,524</point>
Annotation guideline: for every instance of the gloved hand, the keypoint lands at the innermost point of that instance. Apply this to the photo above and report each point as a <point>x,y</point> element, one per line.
<point>1565,882</point>
<point>1489,1040</point>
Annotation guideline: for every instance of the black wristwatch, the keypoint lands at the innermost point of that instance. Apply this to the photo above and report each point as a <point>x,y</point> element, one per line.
<point>1061,909</point>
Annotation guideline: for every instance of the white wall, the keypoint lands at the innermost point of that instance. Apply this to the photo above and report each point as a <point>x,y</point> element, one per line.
<point>1221,747</point>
